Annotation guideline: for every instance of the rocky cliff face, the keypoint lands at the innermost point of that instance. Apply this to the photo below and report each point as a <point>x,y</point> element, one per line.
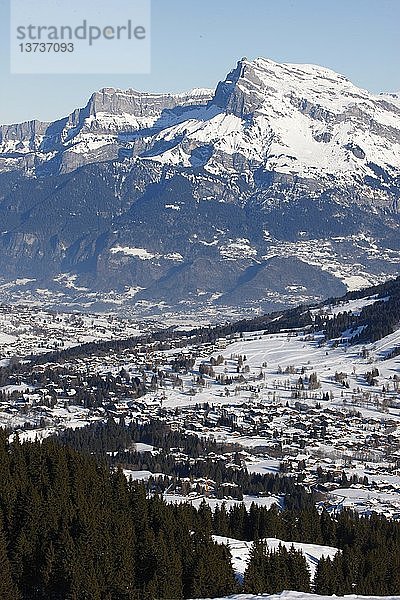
<point>91,133</point>
<point>281,185</point>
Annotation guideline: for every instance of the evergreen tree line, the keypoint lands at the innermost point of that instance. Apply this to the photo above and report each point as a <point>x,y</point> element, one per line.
<point>110,436</point>
<point>382,290</point>
<point>368,561</point>
<point>275,571</point>
<point>73,529</point>
<point>113,443</point>
<point>377,320</point>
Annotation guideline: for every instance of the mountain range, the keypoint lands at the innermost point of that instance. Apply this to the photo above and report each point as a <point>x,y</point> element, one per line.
<point>280,186</point>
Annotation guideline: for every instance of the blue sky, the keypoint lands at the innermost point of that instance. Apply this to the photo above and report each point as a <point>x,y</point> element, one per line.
<point>196,42</point>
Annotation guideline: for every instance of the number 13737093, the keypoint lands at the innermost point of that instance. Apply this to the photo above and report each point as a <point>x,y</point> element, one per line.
<point>46,47</point>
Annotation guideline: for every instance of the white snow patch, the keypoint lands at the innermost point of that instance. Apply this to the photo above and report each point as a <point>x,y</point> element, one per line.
<point>288,595</point>
<point>240,551</point>
<point>141,253</point>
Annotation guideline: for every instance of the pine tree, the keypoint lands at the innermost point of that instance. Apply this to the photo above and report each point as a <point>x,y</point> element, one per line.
<point>255,576</point>
<point>299,574</point>
<point>323,580</point>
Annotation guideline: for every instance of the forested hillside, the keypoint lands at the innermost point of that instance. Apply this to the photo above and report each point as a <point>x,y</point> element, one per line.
<point>72,529</point>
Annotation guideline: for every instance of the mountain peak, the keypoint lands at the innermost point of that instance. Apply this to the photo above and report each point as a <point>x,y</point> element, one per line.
<point>246,87</point>
<point>266,72</point>
<point>297,119</point>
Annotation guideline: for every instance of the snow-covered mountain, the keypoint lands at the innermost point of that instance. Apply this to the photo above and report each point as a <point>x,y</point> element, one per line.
<point>298,120</point>
<point>301,120</point>
<point>92,133</point>
<point>281,185</point>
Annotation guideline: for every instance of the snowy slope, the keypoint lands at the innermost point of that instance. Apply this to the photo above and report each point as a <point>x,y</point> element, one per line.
<point>240,551</point>
<point>301,596</point>
<point>290,118</point>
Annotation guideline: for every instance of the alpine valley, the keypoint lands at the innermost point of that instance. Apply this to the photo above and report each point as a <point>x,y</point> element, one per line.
<point>281,186</point>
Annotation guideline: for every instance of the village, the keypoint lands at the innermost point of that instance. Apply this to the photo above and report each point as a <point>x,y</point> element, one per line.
<point>289,403</point>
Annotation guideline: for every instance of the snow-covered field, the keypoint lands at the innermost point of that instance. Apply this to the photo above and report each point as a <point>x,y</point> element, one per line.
<point>240,551</point>
<point>287,595</point>
<point>266,354</point>
<point>196,500</point>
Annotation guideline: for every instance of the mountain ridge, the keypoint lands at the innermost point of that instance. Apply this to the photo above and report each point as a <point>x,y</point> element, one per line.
<point>282,184</point>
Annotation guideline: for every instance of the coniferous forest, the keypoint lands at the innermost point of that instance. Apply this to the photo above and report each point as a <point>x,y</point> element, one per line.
<point>72,528</point>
